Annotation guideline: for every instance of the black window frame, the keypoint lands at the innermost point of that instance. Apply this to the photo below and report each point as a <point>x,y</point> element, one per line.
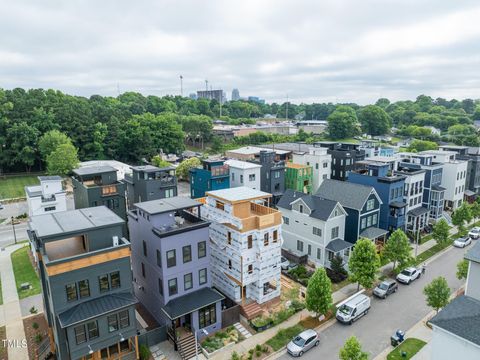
<point>76,292</point>
<point>77,334</point>
<point>185,281</point>
<point>200,250</point>
<point>119,282</point>
<point>122,318</point>
<point>160,286</point>
<point>80,290</point>
<point>100,283</point>
<point>115,318</point>
<point>207,316</point>
<point>175,292</point>
<point>169,261</point>
<point>95,330</point>
<point>187,250</point>
<point>159,258</point>
<point>200,276</point>
<point>144,247</point>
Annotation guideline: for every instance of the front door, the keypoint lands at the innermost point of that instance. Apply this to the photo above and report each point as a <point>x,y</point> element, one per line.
<point>188,321</point>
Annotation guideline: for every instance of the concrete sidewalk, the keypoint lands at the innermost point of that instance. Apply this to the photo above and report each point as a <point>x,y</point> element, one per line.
<point>11,305</point>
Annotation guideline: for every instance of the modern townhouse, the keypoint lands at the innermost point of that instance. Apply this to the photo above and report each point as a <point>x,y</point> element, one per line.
<point>314,227</point>
<point>455,327</point>
<point>472,155</point>
<point>252,153</point>
<point>213,174</point>
<point>171,269</point>
<point>373,148</point>
<point>49,196</point>
<point>244,173</point>
<point>454,176</point>
<point>149,182</point>
<point>99,186</point>
<point>389,187</point>
<point>433,192</point>
<point>417,213</point>
<point>272,175</point>
<point>245,244</point>
<point>85,272</point>
<point>298,177</point>
<point>362,204</point>
<point>319,160</point>
<point>344,157</point>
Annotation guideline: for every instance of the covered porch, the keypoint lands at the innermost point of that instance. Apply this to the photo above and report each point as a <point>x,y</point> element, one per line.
<point>417,221</point>
<point>338,247</point>
<point>377,235</point>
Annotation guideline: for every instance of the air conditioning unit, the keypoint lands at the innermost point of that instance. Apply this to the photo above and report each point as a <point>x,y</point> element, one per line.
<point>115,241</point>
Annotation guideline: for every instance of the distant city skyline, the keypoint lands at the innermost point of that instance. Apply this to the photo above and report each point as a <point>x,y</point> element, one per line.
<point>329,51</point>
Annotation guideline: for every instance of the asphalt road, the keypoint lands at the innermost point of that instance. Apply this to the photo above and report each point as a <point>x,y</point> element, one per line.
<point>6,234</point>
<point>401,310</point>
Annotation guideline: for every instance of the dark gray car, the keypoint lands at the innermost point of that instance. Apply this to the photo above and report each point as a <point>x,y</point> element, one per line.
<point>385,288</point>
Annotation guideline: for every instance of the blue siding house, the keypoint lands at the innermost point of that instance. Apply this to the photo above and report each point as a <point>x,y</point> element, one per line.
<point>390,189</point>
<point>362,204</point>
<point>213,175</point>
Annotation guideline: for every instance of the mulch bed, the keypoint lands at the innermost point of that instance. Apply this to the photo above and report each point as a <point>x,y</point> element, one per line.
<point>3,349</point>
<point>31,333</point>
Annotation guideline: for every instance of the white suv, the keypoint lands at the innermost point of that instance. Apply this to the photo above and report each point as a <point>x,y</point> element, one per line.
<point>474,233</point>
<point>408,275</point>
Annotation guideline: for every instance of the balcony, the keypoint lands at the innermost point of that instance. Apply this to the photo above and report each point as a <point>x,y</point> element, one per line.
<point>51,198</point>
<point>168,181</point>
<point>220,171</point>
<point>260,217</point>
<point>109,190</point>
<point>184,221</point>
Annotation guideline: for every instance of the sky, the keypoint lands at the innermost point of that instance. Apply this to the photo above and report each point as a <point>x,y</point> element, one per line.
<point>311,51</point>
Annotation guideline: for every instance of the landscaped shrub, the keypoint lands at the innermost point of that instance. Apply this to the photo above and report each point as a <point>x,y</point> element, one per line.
<point>220,339</point>
<point>258,347</point>
<point>35,325</point>
<point>38,338</point>
<point>265,349</point>
<point>261,321</point>
<point>297,305</point>
<point>235,356</point>
<point>144,352</point>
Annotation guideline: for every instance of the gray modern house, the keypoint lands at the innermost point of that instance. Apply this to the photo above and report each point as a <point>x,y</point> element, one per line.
<point>84,268</point>
<point>149,182</point>
<point>171,269</point>
<point>272,174</point>
<point>97,186</point>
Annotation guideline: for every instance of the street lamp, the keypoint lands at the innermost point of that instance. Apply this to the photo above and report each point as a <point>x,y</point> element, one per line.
<point>205,332</point>
<point>14,233</point>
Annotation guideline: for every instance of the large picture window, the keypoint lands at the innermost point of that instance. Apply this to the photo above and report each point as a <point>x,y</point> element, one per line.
<point>207,316</point>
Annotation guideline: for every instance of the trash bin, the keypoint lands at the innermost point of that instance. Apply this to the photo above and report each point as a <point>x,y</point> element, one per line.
<point>394,340</point>
<point>400,335</point>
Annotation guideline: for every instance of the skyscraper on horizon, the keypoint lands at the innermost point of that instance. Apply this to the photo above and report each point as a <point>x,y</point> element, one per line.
<point>235,95</point>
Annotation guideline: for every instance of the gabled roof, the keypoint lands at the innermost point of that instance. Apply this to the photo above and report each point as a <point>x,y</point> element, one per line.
<point>461,317</point>
<point>320,208</point>
<point>474,253</point>
<point>349,195</point>
<point>338,245</point>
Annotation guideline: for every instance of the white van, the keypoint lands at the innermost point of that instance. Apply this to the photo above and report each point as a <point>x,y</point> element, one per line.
<point>353,308</point>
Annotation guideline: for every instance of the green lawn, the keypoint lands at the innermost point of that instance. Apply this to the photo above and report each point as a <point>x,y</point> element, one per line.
<point>284,336</point>
<point>14,187</point>
<point>411,346</point>
<point>24,272</point>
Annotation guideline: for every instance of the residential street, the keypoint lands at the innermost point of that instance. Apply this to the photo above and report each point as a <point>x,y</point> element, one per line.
<point>401,310</point>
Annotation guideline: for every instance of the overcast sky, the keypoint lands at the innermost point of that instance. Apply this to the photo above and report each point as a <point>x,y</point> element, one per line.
<point>314,51</point>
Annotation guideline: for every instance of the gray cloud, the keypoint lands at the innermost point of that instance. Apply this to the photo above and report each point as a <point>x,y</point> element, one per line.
<point>336,50</point>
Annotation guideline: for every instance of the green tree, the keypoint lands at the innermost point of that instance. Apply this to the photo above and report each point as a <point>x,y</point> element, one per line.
<point>462,269</point>
<point>62,160</point>
<point>364,263</point>
<point>461,216</point>
<point>185,166</point>
<point>336,264</point>
<point>23,143</point>
<point>352,350</point>
<point>437,293</point>
<point>216,144</point>
<point>50,141</point>
<point>159,162</point>
<point>422,145</point>
<point>343,123</point>
<point>319,292</point>
<point>397,249</point>
<point>374,120</point>
<point>475,210</point>
<point>441,232</point>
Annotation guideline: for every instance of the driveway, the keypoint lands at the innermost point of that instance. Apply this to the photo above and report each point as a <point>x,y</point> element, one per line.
<point>401,310</point>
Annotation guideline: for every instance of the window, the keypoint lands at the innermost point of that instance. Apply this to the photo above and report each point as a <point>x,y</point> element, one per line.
<point>71,290</point>
<point>112,321</point>
<point>363,224</point>
<point>172,287</point>
<point>275,236</point>
<point>241,179</point>
<point>202,276</point>
<point>219,205</point>
<point>286,220</point>
<point>143,269</point>
<point>370,204</point>
<point>171,258</point>
<point>309,247</point>
<point>265,239</point>
<point>124,319</point>
<point>50,208</point>
<point>331,255</point>
<point>159,258</point>
<point>299,245</point>
<point>92,328</point>
<point>316,166</point>
<point>160,286</point>
<point>251,177</point>
<point>202,249</point>
<point>233,176</point>
<point>347,252</point>
<point>277,174</point>
<point>207,316</point>
<point>187,253</point>
<point>230,264</point>
<point>229,238</point>
<point>80,335</point>
<point>249,241</point>
<point>300,208</point>
<point>319,254</point>
<point>187,281</point>
<point>103,283</point>
<point>115,280</point>
<point>325,165</point>
<point>144,248</point>
<point>335,232</point>
<point>83,288</point>
<point>374,219</point>
<point>369,221</point>
<point>250,269</point>
<point>317,231</point>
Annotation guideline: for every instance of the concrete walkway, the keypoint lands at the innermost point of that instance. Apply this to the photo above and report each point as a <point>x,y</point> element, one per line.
<point>11,308</point>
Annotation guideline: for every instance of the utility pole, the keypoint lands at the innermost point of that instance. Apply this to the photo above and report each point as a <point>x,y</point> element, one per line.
<point>286,109</point>
<point>14,233</point>
<point>181,85</point>
<point>206,85</point>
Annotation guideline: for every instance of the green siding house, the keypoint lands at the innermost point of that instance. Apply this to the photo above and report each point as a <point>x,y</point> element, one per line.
<point>299,178</point>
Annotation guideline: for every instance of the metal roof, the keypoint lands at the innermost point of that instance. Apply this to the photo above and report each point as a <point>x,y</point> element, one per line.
<point>73,221</point>
<point>167,205</point>
<point>349,195</point>
<point>373,233</point>
<point>92,308</point>
<point>320,208</point>
<point>92,170</point>
<point>237,164</point>
<point>190,302</point>
<point>241,193</point>
<point>460,317</point>
<point>474,253</point>
<point>338,245</point>
<point>418,211</point>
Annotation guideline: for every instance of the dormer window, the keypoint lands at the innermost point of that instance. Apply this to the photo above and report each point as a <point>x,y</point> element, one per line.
<point>300,208</point>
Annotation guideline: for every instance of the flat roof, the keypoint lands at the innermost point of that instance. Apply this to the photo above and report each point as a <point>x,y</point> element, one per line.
<point>33,191</point>
<point>241,193</point>
<point>151,168</point>
<point>167,205</point>
<point>242,164</point>
<point>73,221</point>
<point>92,170</point>
<point>49,178</point>
<point>252,150</point>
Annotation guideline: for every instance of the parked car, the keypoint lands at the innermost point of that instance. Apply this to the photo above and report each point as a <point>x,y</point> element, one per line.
<point>354,308</point>
<point>1,206</point>
<point>303,342</point>
<point>292,266</point>
<point>408,275</point>
<point>462,242</point>
<point>385,288</point>
<point>474,233</point>
<point>284,263</point>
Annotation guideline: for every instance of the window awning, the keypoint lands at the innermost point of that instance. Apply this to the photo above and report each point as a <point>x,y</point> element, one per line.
<point>338,245</point>
<point>191,302</point>
<point>373,233</point>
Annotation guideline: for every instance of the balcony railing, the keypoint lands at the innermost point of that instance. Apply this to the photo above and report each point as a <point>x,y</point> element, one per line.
<point>48,199</point>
